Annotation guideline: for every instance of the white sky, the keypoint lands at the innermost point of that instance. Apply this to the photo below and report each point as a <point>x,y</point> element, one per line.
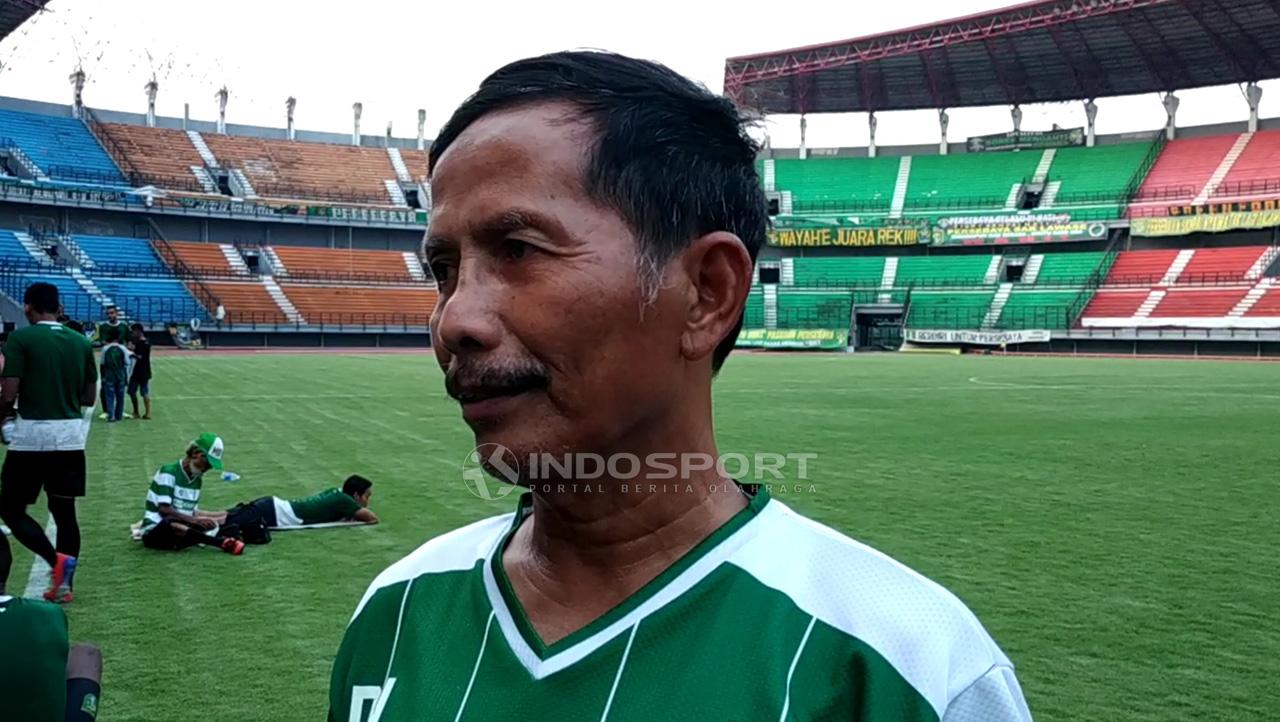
<point>396,56</point>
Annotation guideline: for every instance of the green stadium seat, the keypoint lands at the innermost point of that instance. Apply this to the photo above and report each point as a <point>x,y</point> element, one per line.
<point>1068,269</point>
<point>813,309</point>
<point>939,181</point>
<point>1096,175</point>
<point>1037,309</point>
<point>837,184</point>
<point>753,316</point>
<point>855,271</point>
<point>948,309</point>
<point>942,270</point>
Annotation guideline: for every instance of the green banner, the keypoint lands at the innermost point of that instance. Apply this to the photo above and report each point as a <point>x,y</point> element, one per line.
<point>792,232</point>
<point>384,215</point>
<point>781,338</point>
<point>1027,140</point>
<point>1003,229</point>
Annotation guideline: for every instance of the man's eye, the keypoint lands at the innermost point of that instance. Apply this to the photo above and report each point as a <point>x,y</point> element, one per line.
<point>442,271</point>
<point>514,249</point>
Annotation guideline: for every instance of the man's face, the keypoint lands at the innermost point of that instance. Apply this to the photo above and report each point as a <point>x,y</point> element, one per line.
<point>112,315</point>
<point>541,326</point>
<point>200,463</point>
<point>363,499</point>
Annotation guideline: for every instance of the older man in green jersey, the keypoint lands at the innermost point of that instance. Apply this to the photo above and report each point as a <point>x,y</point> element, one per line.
<point>594,224</point>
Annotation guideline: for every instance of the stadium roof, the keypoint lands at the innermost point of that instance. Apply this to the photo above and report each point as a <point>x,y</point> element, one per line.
<point>15,12</point>
<point>1043,51</point>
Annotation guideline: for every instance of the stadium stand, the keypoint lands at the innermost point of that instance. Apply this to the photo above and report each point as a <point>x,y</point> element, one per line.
<point>948,309</point>
<point>1028,308</point>
<point>1069,268</point>
<point>151,300</point>
<point>343,264</point>
<point>415,161</point>
<point>942,270</point>
<point>966,180</point>
<point>1181,172</point>
<point>1256,173</point>
<point>1104,176</point>
<point>63,148</point>
<point>206,259</point>
<point>837,184</point>
<point>813,309</point>
<point>356,305</point>
<point>1202,288</point>
<point>135,255</point>
<point>247,303</point>
<point>851,271</point>
<point>161,156</point>
<point>321,171</point>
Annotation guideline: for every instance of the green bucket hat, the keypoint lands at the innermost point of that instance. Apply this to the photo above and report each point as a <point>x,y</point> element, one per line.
<point>211,445</point>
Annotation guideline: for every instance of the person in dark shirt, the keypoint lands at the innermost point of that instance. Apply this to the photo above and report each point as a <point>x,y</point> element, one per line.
<point>140,379</point>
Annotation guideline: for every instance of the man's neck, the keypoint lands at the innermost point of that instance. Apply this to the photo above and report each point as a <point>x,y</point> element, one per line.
<point>43,318</point>
<point>580,554</point>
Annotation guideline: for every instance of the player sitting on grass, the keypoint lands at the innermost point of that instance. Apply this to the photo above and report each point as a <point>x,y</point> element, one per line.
<point>40,678</point>
<point>172,519</point>
<point>350,503</point>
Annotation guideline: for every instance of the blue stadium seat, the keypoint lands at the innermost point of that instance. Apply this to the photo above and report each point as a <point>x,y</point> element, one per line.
<point>122,251</point>
<point>76,303</point>
<point>152,300</point>
<point>62,147</point>
<point>11,249</point>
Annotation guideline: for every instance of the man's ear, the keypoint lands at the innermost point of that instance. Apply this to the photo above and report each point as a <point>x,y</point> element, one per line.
<point>718,268</point>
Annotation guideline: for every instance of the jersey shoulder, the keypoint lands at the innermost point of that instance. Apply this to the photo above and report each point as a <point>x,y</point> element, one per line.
<point>457,550</point>
<point>924,631</point>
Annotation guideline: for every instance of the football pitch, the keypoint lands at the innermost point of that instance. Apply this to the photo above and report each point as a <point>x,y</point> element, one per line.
<point>1112,522</point>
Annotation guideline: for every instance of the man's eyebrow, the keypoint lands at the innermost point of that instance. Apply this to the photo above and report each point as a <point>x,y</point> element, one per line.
<point>499,225</point>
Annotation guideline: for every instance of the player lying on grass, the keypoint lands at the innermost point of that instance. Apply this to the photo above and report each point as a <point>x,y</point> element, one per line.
<point>42,677</point>
<point>171,518</point>
<point>593,229</point>
<point>350,503</point>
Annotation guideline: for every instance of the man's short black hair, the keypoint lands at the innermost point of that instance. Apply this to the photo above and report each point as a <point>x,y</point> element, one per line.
<point>673,160</point>
<point>355,484</point>
<point>137,327</point>
<point>42,298</point>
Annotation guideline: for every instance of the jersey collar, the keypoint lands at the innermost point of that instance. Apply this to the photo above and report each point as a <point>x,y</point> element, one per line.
<point>542,660</point>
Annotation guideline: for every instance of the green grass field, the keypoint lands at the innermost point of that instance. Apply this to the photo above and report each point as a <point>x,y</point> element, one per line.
<point>1113,522</point>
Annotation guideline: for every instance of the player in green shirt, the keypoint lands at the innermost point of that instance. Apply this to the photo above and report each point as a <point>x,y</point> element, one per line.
<point>50,378</point>
<point>43,677</point>
<point>171,516</point>
<point>594,227</point>
<point>350,503</point>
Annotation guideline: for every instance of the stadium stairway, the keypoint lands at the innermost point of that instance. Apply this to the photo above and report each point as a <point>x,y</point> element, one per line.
<point>282,302</point>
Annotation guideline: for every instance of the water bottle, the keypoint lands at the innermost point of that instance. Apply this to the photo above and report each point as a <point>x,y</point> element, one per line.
<point>230,476</point>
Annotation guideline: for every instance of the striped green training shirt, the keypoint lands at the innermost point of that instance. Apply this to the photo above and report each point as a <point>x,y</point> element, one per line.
<point>171,485</point>
<point>773,617</point>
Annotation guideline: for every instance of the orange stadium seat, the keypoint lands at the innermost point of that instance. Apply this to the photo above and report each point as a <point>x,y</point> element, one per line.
<point>1256,172</point>
<point>1220,265</point>
<point>1268,305</point>
<point>161,155</point>
<point>320,171</point>
<point>416,161</point>
<point>1209,302</point>
<point>354,305</point>
<point>340,263</point>
<point>206,259</point>
<point>246,302</point>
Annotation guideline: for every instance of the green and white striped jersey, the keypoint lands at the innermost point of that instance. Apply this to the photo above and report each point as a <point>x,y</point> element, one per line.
<point>171,485</point>
<point>773,617</point>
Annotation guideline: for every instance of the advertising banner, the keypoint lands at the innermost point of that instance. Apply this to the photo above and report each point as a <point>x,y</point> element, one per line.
<point>978,338</point>
<point>1213,218</point>
<point>852,232</point>
<point>1013,228</point>
<point>1027,140</point>
<point>781,338</point>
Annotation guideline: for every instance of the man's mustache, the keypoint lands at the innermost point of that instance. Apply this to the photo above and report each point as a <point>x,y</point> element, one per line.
<point>473,381</point>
